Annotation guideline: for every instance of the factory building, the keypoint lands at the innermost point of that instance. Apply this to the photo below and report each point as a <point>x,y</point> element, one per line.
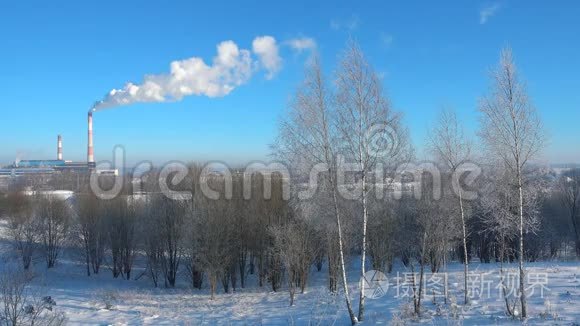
<point>59,165</point>
<point>28,167</point>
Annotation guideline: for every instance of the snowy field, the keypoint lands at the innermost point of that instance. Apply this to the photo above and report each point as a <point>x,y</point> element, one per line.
<point>84,299</point>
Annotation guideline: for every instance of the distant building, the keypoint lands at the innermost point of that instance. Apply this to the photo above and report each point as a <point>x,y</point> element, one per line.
<point>46,168</point>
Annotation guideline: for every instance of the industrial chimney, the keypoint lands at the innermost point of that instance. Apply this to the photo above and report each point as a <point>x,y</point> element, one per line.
<point>90,153</point>
<point>59,148</point>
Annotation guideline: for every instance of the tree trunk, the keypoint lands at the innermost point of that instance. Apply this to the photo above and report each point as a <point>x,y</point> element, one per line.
<point>466,258</point>
<point>417,296</point>
<point>504,291</point>
<point>87,254</point>
<point>242,266</point>
<point>522,272</point>
<point>361,306</point>
<point>212,284</point>
<point>353,319</point>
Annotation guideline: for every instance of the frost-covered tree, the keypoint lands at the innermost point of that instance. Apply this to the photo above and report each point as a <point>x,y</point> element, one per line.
<point>451,147</point>
<point>370,133</point>
<point>295,245</point>
<point>307,138</point>
<point>512,133</point>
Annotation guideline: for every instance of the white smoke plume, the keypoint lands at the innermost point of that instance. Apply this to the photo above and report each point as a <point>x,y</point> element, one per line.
<point>231,67</point>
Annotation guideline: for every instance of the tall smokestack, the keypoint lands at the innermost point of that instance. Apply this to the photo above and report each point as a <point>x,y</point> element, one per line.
<point>59,148</point>
<point>90,153</point>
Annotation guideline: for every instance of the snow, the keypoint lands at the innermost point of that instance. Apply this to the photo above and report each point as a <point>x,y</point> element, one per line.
<point>135,302</point>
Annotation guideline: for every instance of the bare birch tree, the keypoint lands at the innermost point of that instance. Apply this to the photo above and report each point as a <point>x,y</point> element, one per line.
<point>499,207</point>
<point>512,132</point>
<point>306,138</point>
<point>370,131</point>
<point>448,143</point>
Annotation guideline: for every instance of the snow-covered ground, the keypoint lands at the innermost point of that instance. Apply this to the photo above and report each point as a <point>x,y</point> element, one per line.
<point>135,302</point>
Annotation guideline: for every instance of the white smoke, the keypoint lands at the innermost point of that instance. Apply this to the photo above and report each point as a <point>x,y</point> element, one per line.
<point>231,68</point>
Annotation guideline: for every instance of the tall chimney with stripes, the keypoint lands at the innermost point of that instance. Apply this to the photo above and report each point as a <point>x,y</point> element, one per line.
<point>90,153</point>
<point>59,148</point>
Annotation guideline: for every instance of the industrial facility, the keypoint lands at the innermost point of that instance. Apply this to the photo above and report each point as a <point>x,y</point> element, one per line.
<point>59,164</point>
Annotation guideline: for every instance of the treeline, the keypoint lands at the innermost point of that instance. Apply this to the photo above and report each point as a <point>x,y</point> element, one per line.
<point>220,241</point>
<point>223,241</point>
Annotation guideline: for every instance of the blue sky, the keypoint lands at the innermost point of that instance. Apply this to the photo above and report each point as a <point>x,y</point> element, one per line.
<point>57,58</point>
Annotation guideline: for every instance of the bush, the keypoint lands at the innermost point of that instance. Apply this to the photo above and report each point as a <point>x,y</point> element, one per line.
<point>21,305</point>
<point>108,299</point>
